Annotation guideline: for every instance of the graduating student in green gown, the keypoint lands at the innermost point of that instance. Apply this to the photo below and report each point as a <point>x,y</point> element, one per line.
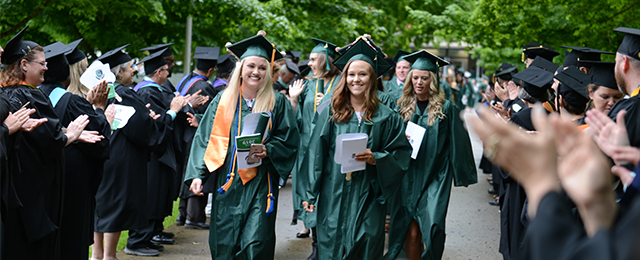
<point>244,208</point>
<point>419,207</point>
<point>351,207</point>
<point>305,97</point>
<point>393,87</point>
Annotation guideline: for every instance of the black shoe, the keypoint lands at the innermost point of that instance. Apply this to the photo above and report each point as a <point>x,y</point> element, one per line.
<point>492,191</point>
<point>167,234</point>
<point>158,239</point>
<point>196,225</point>
<point>156,247</point>
<point>142,251</point>
<point>303,235</point>
<point>294,220</point>
<point>180,221</point>
<point>491,182</point>
<point>314,248</point>
<point>494,203</point>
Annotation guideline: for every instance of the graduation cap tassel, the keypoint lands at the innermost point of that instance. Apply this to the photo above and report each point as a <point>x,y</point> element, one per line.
<point>326,57</point>
<point>270,199</point>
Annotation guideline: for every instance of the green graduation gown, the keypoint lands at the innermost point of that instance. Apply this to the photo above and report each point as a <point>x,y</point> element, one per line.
<point>392,88</point>
<point>306,123</point>
<point>240,228</point>
<point>351,214</point>
<point>445,154</point>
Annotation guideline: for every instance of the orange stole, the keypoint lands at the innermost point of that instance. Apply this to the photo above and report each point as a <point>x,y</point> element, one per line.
<point>218,144</point>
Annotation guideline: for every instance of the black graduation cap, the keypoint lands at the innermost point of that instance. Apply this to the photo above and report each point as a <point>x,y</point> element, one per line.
<point>226,63</point>
<point>535,80</point>
<point>255,46</point>
<point>159,47</point>
<point>534,49</point>
<point>293,55</point>
<point>630,45</point>
<point>363,49</point>
<point>573,87</point>
<point>74,54</point>
<point>207,57</point>
<point>580,53</point>
<point>292,66</point>
<point>115,57</point>
<point>399,55</point>
<point>506,71</point>
<point>304,67</point>
<point>544,64</point>
<point>153,62</point>
<point>57,64</point>
<point>16,48</point>
<point>602,74</point>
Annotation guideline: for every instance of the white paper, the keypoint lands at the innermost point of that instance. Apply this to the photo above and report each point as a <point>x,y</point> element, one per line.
<point>347,145</point>
<point>415,133</point>
<point>250,122</point>
<point>123,114</point>
<point>243,149</point>
<point>322,106</point>
<point>96,73</point>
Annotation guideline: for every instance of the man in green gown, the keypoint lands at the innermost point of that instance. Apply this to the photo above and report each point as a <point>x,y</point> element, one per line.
<point>393,87</point>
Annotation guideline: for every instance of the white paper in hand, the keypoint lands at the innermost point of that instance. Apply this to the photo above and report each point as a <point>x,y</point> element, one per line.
<point>96,73</point>
<point>415,133</point>
<point>123,113</point>
<point>347,145</point>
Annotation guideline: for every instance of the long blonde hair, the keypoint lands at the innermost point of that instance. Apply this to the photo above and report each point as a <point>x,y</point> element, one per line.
<point>409,100</point>
<point>264,99</point>
<point>76,70</point>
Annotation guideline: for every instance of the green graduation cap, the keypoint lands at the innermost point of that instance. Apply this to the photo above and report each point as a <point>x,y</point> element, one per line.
<point>400,55</point>
<point>366,51</point>
<point>424,60</point>
<point>256,46</point>
<point>329,49</point>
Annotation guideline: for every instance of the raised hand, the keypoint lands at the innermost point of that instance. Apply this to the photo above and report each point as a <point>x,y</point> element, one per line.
<point>74,130</point>
<point>193,121</point>
<point>110,113</point>
<point>16,120</point>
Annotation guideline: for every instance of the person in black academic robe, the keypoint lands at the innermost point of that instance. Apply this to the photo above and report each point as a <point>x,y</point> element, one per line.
<point>83,162</point>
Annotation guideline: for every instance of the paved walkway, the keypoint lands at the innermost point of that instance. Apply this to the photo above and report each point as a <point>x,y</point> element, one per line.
<point>473,228</point>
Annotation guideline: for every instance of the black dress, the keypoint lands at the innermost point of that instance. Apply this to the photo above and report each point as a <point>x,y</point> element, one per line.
<point>121,200</point>
<point>36,166</point>
<point>84,164</point>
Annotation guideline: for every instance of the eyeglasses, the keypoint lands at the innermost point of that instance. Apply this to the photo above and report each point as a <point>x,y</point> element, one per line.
<point>43,63</point>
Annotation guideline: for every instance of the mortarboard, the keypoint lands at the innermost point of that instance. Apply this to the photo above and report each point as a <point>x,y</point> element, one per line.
<point>535,80</point>
<point>580,53</point>
<point>304,68</point>
<point>602,74</point>
<point>365,51</point>
<point>226,63</point>
<point>115,57</point>
<point>424,60</point>
<point>256,46</point>
<point>57,64</point>
<point>544,64</point>
<point>74,54</point>
<point>207,57</point>
<point>293,55</point>
<point>534,49</point>
<point>506,71</point>
<point>573,87</point>
<point>292,66</point>
<point>153,62</point>
<point>400,55</point>
<point>159,47</point>
<point>630,44</point>
<point>329,49</point>
<point>16,48</point>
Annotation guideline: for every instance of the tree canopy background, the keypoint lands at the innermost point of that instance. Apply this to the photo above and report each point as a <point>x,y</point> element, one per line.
<point>496,29</point>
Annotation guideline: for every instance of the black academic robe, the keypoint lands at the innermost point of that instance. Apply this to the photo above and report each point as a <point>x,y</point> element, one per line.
<point>555,233</point>
<point>631,119</point>
<point>161,169</point>
<point>121,200</point>
<point>84,164</point>
<point>36,165</point>
<point>4,170</point>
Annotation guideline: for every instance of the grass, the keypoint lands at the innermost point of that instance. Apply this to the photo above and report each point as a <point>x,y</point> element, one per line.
<point>168,221</point>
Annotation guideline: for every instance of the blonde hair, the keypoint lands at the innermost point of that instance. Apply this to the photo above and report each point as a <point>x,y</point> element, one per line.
<point>76,70</point>
<point>409,100</point>
<point>265,97</point>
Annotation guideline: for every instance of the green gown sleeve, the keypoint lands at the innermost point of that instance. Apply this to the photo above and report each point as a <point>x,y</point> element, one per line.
<point>282,143</point>
<point>463,165</point>
<point>314,161</point>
